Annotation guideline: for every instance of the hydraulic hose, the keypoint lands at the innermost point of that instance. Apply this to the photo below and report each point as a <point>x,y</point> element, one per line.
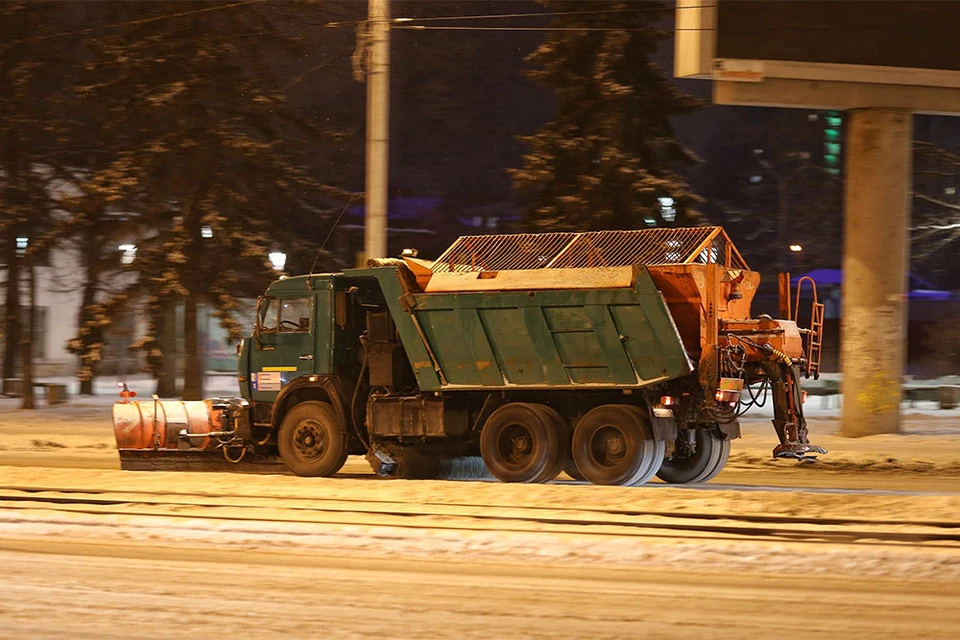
<point>356,390</point>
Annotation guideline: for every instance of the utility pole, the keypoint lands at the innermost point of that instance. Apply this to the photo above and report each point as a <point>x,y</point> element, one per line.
<point>378,129</point>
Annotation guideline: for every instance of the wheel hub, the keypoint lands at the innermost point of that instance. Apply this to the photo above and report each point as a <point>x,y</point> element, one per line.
<point>308,439</point>
<point>608,446</point>
<point>516,443</point>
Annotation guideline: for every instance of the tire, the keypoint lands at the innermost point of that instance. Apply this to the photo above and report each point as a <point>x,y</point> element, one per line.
<point>520,443</point>
<point>570,468</point>
<point>562,425</point>
<point>712,451</point>
<point>613,445</point>
<point>311,440</point>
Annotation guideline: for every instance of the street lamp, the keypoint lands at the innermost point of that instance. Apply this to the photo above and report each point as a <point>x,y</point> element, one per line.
<point>277,260</point>
<point>796,248</point>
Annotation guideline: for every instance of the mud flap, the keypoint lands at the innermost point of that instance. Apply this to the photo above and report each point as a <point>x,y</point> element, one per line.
<point>730,428</point>
<point>663,423</point>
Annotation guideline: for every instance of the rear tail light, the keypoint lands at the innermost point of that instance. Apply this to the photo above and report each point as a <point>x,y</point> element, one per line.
<point>668,401</point>
<point>729,391</point>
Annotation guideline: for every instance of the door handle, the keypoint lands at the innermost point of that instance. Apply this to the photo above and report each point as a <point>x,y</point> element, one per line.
<point>306,356</point>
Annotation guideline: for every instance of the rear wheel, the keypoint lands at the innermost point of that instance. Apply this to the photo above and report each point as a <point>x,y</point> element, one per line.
<point>613,444</point>
<point>521,443</point>
<point>708,458</point>
<point>570,468</point>
<point>562,425</point>
<point>311,440</point>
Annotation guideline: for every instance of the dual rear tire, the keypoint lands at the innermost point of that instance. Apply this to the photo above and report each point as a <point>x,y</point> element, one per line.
<point>613,444</point>
<point>524,442</point>
<point>710,454</point>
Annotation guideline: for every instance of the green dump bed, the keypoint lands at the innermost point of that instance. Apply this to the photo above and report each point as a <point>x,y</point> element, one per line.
<point>621,337</point>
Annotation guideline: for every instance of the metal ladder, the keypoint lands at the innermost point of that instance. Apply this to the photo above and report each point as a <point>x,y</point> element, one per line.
<point>814,335</point>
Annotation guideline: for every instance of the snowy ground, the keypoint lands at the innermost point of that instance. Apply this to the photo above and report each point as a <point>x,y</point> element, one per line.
<point>78,573</point>
<point>920,469</point>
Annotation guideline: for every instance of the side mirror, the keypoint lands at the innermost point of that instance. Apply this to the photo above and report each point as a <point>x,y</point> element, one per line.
<point>256,324</point>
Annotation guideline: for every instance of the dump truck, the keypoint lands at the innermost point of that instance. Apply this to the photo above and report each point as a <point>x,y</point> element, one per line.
<point>615,356</point>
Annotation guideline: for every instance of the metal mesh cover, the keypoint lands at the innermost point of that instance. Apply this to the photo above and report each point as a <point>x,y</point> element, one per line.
<point>590,249</point>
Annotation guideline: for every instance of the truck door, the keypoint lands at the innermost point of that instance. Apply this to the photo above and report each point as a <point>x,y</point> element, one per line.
<point>286,347</point>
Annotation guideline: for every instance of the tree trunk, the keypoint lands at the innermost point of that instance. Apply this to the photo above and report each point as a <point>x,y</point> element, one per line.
<point>12,329</point>
<point>193,365</point>
<point>91,335</point>
<point>167,378</point>
<point>26,352</point>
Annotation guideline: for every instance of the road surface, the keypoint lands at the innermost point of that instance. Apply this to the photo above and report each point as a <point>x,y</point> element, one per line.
<point>56,590</point>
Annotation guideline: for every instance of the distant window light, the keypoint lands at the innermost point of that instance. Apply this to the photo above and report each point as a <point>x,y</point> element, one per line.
<point>950,191</point>
<point>477,221</point>
<point>492,223</point>
<point>834,121</point>
<point>756,179</point>
<point>813,117</point>
<point>833,148</point>
<point>674,244</point>
<point>22,243</point>
<point>667,210</point>
<point>206,231</point>
<point>673,256</point>
<point>650,222</point>
<point>128,253</point>
<point>758,152</point>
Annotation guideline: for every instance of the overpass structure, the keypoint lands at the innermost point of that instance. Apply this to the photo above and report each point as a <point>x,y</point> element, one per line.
<point>880,62</point>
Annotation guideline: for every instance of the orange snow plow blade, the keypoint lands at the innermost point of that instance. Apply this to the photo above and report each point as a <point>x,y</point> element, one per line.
<point>179,435</point>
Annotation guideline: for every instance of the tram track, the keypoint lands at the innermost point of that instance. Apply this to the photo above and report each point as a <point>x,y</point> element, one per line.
<point>447,516</point>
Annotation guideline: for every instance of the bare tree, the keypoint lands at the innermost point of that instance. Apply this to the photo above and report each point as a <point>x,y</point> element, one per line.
<point>935,228</point>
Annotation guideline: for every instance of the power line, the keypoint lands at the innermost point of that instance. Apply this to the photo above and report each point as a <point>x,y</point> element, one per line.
<point>169,16</point>
<point>501,16</point>
<point>415,27</point>
<point>791,28</point>
<point>264,34</point>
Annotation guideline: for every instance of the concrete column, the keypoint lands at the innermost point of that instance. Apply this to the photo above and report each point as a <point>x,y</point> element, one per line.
<point>378,130</point>
<point>875,258</point>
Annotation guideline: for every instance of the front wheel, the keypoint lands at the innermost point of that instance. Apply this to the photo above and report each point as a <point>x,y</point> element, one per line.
<point>311,440</point>
<point>704,462</point>
<point>613,444</point>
